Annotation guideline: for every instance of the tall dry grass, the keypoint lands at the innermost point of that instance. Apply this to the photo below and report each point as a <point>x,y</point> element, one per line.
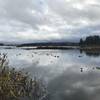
<point>16,84</point>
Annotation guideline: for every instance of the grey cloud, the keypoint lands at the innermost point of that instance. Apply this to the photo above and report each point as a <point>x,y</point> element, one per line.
<point>70,18</point>
<point>21,10</point>
<point>70,13</point>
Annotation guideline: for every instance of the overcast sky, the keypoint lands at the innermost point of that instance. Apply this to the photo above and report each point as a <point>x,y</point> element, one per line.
<point>48,20</point>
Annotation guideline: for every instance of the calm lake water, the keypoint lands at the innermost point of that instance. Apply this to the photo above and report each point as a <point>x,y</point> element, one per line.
<point>69,74</point>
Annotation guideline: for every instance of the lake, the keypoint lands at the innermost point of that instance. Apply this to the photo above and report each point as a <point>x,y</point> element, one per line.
<point>68,74</point>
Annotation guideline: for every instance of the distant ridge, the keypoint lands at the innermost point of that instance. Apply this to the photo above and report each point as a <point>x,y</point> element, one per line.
<point>49,44</point>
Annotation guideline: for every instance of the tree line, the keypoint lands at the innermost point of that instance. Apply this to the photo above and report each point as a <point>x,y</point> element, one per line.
<point>90,41</point>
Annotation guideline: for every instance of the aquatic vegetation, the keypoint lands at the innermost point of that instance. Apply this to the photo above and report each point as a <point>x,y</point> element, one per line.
<point>15,85</point>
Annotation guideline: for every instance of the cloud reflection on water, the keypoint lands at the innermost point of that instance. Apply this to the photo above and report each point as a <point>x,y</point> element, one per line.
<point>63,74</point>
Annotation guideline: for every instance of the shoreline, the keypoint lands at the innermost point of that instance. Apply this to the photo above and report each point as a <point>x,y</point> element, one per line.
<point>63,47</point>
<point>53,47</point>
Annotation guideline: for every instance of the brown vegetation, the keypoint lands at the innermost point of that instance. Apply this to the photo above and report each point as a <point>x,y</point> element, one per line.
<point>16,84</point>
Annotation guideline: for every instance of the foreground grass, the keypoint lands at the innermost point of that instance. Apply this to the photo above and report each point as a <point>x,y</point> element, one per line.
<point>15,85</point>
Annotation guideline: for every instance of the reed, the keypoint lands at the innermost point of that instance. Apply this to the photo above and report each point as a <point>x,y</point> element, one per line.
<point>16,84</point>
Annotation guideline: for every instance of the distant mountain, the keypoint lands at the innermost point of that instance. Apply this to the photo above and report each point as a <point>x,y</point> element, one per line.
<point>1,44</point>
<point>49,44</point>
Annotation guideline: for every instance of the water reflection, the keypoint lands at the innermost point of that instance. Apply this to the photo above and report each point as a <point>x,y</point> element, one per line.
<point>94,53</point>
<point>75,86</point>
<point>69,74</point>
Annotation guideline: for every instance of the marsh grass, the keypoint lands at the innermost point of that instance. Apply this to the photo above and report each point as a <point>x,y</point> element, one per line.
<point>16,84</point>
